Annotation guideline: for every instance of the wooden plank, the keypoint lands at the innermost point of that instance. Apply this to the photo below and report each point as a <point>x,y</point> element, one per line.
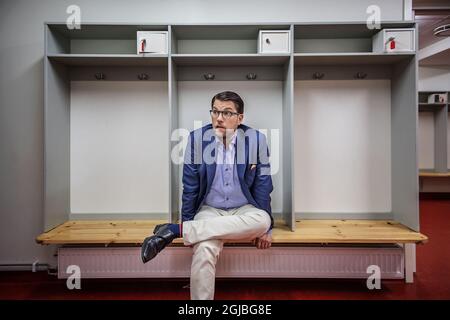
<point>100,232</point>
<point>350,231</point>
<point>307,231</point>
<point>431,174</point>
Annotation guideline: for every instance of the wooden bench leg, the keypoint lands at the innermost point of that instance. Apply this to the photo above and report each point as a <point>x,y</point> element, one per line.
<point>410,262</point>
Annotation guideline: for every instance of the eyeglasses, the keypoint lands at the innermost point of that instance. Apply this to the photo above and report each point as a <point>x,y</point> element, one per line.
<point>225,114</point>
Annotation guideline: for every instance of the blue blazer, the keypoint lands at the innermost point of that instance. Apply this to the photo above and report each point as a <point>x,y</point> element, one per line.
<point>199,172</point>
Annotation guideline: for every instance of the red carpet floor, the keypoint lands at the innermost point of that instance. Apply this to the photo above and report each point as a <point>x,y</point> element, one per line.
<point>432,280</point>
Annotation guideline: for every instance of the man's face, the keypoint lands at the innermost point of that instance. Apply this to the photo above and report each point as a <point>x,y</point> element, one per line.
<point>222,125</point>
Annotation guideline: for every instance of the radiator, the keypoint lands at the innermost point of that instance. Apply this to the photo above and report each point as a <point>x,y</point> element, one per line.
<point>236,262</point>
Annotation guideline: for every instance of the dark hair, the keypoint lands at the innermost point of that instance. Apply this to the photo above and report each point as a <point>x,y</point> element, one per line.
<point>230,96</point>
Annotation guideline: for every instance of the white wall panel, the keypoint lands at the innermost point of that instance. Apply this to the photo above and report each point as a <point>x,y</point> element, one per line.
<point>119,151</point>
<point>342,146</point>
<point>426,140</point>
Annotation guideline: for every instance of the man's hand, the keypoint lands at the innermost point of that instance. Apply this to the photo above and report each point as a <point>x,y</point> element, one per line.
<point>264,242</point>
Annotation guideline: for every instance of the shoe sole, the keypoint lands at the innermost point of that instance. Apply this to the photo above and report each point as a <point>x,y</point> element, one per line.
<point>144,245</point>
<point>142,252</point>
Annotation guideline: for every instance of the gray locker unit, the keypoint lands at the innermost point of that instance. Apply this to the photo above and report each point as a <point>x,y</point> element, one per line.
<point>323,58</point>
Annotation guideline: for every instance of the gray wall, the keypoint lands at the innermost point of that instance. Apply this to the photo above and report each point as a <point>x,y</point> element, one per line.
<point>21,84</point>
<point>434,78</point>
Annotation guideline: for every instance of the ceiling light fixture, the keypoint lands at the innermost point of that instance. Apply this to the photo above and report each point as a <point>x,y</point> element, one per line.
<point>442,31</point>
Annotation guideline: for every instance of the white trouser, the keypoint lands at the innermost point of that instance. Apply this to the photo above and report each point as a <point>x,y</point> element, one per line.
<point>207,233</point>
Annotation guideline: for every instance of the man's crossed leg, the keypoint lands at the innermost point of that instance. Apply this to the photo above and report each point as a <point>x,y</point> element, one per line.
<point>208,231</point>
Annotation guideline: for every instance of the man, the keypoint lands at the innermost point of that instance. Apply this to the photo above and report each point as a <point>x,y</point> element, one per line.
<point>226,193</point>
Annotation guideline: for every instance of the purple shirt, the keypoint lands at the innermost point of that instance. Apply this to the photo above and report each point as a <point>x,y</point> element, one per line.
<point>226,192</point>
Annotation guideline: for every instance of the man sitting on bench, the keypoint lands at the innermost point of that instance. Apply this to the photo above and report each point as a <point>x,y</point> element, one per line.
<point>226,193</point>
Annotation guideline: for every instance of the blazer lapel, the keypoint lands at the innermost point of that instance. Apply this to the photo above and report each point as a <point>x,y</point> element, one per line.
<point>210,168</point>
<point>241,153</point>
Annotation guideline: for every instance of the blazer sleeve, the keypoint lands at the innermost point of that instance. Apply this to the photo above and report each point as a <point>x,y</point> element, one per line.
<point>191,182</point>
<point>262,185</point>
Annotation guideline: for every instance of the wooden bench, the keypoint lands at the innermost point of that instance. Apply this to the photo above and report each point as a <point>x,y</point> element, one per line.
<point>433,174</point>
<point>108,232</point>
<point>94,237</point>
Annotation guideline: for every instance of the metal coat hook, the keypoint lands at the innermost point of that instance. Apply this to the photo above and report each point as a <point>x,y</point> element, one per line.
<point>318,75</point>
<point>209,76</point>
<point>100,76</point>
<point>143,76</point>
<point>361,75</point>
<point>251,76</point>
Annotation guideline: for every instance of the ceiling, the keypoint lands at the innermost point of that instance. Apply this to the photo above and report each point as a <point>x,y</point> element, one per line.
<point>430,14</point>
<point>439,59</point>
<point>427,21</point>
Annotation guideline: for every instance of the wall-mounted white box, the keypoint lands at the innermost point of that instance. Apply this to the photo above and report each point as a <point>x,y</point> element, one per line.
<point>274,41</point>
<point>394,40</point>
<point>152,42</point>
<point>437,98</point>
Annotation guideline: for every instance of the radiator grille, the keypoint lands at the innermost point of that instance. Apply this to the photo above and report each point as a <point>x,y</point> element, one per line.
<point>276,262</point>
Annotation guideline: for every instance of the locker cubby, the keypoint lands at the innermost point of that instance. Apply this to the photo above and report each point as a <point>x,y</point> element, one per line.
<point>218,39</point>
<point>267,102</point>
<point>434,136</point>
<point>337,37</point>
<point>99,45</point>
<point>95,38</point>
<point>99,108</point>
<point>355,138</point>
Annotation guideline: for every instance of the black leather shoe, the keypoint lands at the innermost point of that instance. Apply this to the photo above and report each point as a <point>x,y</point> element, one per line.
<point>159,226</point>
<point>154,244</point>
